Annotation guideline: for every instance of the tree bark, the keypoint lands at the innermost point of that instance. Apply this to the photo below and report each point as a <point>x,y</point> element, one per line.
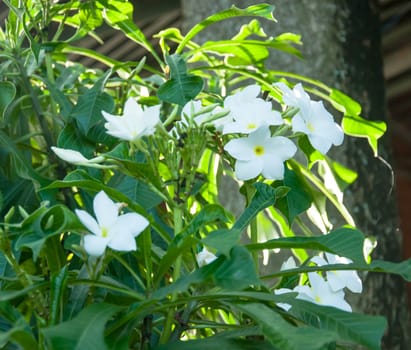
<point>341,47</point>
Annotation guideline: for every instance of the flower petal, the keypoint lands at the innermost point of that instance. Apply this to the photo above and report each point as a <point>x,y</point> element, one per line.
<point>241,148</point>
<point>105,209</point>
<point>88,221</point>
<point>122,241</point>
<point>246,170</point>
<point>69,155</point>
<point>131,222</point>
<point>94,245</point>
<point>273,168</point>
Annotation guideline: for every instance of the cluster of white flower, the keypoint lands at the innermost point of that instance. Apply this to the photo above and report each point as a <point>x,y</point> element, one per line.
<point>255,151</point>
<point>329,291</point>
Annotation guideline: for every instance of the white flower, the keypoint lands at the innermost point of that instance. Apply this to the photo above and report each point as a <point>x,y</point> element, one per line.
<point>249,112</point>
<point>320,292</point>
<point>260,153</point>
<point>205,257</point>
<point>341,278</point>
<point>111,229</point>
<point>75,157</point>
<point>288,264</point>
<point>312,119</point>
<point>134,123</point>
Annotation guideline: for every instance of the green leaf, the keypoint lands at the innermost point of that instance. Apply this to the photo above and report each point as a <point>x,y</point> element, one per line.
<point>259,10</point>
<point>264,196</point>
<point>119,15</point>
<point>353,124</point>
<point>87,111</point>
<point>7,94</point>
<point>284,335</point>
<point>213,343</point>
<point>222,240</point>
<point>297,200</point>
<point>19,335</point>
<point>46,224</point>
<point>345,241</point>
<point>85,331</point>
<point>58,287</point>
<point>350,327</point>
<point>360,127</point>
<point>238,271</point>
<point>182,87</point>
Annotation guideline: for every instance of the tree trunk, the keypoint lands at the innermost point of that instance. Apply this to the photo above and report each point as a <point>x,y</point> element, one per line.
<point>342,49</point>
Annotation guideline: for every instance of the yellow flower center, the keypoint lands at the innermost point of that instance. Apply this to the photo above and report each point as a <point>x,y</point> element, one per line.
<point>317,299</point>
<point>104,232</point>
<point>310,126</point>
<point>251,126</point>
<point>259,150</point>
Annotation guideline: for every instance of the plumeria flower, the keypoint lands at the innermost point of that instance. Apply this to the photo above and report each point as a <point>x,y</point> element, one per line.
<point>205,257</point>
<point>75,157</point>
<point>320,292</point>
<point>312,119</point>
<point>134,123</point>
<point>259,153</point>
<point>110,229</point>
<point>249,112</point>
<point>341,278</point>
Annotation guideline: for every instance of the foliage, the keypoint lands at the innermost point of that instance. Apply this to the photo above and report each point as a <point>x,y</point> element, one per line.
<point>194,278</point>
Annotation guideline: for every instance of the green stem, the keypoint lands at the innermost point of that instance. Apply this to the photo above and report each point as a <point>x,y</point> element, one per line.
<point>168,324</point>
<point>250,190</point>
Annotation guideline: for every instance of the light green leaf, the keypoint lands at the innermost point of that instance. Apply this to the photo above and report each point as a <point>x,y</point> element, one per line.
<point>85,331</point>
<point>355,125</point>
<point>349,327</point>
<point>182,87</point>
<point>260,10</point>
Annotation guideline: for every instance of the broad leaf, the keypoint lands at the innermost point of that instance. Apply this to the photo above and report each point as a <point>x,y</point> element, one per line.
<point>349,327</point>
<point>223,240</point>
<point>182,87</point>
<point>85,331</point>
<point>284,335</point>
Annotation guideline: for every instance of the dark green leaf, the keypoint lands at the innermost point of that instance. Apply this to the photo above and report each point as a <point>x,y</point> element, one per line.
<point>182,87</point>
<point>297,200</point>
<point>238,271</point>
<point>347,242</point>
<point>223,240</point>
<point>7,94</point>
<point>264,196</point>
<point>85,331</point>
<point>349,327</point>
<point>284,335</point>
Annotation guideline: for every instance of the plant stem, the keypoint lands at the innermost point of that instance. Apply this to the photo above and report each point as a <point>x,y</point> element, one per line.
<point>253,224</point>
<point>178,225</point>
